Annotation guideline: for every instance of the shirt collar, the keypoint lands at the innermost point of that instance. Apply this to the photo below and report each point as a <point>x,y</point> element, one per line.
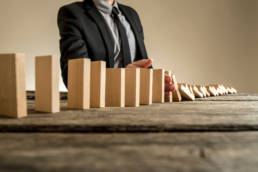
<point>104,6</point>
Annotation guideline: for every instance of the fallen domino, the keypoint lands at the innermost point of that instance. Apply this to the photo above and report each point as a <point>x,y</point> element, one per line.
<point>185,92</point>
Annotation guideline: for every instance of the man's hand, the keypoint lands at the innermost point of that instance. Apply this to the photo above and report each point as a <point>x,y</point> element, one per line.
<point>169,87</point>
<point>146,63</point>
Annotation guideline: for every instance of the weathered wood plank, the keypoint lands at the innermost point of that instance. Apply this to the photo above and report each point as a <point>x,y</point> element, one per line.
<point>234,98</point>
<point>226,115</point>
<point>211,152</point>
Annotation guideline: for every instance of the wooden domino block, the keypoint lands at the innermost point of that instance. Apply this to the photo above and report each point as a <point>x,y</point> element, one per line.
<point>224,89</point>
<point>170,98</point>
<point>211,91</point>
<point>186,92</point>
<point>146,81</point>
<point>214,90</point>
<point>230,91</point>
<point>218,89</point>
<point>207,92</point>
<point>201,90</point>
<point>197,93</point>
<point>132,87</point>
<point>79,72</point>
<point>176,94</point>
<point>47,84</point>
<point>98,84</point>
<point>115,87</point>
<point>233,90</point>
<point>191,89</point>
<point>158,90</point>
<point>13,101</point>
<point>204,92</point>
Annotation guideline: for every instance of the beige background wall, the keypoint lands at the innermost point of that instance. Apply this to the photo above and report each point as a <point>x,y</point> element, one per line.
<point>202,41</point>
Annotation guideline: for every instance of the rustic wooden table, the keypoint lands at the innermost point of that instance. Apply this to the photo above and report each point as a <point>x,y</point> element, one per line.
<point>214,134</point>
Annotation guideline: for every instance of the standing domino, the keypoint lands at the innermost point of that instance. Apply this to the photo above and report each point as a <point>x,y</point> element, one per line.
<point>158,91</point>
<point>98,84</point>
<point>146,86</point>
<point>132,87</point>
<point>79,83</point>
<point>115,87</point>
<point>47,84</point>
<point>13,101</point>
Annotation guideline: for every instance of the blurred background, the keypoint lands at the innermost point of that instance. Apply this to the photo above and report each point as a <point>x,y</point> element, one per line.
<point>201,41</point>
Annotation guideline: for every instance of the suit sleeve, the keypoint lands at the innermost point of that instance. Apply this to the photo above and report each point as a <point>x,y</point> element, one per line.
<point>72,45</point>
<point>138,21</point>
<point>140,26</point>
<point>141,31</point>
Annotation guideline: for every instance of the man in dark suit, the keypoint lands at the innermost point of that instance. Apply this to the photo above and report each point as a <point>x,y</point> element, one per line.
<point>103,30</point>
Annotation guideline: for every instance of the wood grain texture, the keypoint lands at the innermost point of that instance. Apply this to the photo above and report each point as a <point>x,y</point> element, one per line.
<point>176,94</point>
<point>115,87</point>
<point>12,90</point>
<point>170,98</point>
<point>79,72</point>
<point>132,87</point>
<point>158,90</point>
<point>47,84</point>
<point>98,84</point>
<point>146,86</point>
<point>139,152</point>
<point>224,113</point>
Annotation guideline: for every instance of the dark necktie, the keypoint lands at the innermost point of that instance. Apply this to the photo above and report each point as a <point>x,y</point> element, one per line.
<point>125,48</point>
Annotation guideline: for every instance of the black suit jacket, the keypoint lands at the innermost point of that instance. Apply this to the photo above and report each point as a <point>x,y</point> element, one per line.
<point>84,34</point>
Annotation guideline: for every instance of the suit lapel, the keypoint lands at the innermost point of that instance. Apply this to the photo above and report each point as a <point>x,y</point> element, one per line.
<point>104,30</point>
<point>133,24</point>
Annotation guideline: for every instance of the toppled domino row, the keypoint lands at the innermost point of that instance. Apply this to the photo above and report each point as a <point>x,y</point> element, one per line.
<point>190,92</point>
